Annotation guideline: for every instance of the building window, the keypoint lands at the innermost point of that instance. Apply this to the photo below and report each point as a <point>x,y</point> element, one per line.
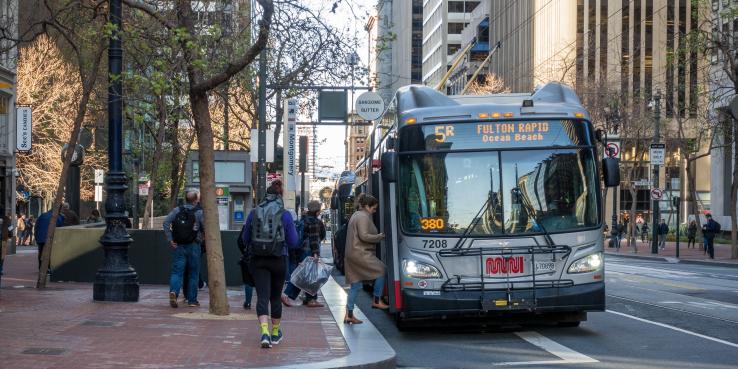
<point>637,52</point>
<point>580,42</point>
<point>682,59</point>
<point>603,40</point>
<point>591,40</point>
<point>455,28</point>
<point>452,49</point>
<point>625,48</point>
<point>462,6</point>
<point>648,61</point>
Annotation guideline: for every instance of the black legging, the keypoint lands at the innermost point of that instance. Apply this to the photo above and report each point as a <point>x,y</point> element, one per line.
<point>268,273</point>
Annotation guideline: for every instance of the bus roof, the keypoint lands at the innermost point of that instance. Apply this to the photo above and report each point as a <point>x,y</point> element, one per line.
<point>425,104</point>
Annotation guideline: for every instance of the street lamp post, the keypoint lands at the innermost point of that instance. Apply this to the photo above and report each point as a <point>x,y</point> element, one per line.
<point>115,280</point>
<point>656,182</point>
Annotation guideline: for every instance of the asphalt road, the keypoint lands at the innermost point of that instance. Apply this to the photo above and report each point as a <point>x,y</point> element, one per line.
<point>659,315</point>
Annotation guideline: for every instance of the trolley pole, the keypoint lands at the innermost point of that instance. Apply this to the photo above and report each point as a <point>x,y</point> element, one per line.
<point>656,182</point>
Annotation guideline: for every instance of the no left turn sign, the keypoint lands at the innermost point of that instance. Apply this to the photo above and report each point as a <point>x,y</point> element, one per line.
<point>612,150</point>
<point>656,194</point>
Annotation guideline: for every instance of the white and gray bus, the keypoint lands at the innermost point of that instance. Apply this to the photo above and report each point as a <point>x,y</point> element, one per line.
<point>491,205</point>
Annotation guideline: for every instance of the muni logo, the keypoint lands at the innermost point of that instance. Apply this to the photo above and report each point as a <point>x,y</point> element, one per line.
<point>501,265</point>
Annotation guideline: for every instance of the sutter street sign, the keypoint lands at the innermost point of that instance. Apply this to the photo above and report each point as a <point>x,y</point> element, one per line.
<point>369,105</point>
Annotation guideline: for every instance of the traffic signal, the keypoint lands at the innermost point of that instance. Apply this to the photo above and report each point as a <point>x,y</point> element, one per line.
<point>303,154</point>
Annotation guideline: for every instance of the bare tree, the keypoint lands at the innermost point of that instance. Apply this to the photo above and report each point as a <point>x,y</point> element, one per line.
<point>180,22</point>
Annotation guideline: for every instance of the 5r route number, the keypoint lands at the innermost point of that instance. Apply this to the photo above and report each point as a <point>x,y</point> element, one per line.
<point>435,244</point>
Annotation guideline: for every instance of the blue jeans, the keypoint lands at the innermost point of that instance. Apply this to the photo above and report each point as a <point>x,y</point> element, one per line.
<point>293,291</point>
<point>248,293</point>
<point>185,254</point>
<point>356,287</point>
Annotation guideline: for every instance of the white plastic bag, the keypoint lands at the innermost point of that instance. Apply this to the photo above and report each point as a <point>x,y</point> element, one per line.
<point>310,275</point>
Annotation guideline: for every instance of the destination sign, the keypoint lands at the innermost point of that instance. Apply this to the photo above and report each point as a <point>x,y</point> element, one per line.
<point>502,134</point>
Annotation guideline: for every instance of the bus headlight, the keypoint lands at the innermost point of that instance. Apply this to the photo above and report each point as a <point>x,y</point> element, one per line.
<point>586,264</point>
<point>414,269</point>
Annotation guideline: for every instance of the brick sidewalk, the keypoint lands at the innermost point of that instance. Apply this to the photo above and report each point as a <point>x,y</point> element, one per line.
<point>722,252</point>
<point>61,327</point>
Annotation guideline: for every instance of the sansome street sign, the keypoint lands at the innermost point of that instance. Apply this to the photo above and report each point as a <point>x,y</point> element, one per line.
<point>369,105</point>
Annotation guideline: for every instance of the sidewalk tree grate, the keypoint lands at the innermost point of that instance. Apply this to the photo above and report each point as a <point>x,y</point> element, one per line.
<point>101,323</point>
<point>44,351</point>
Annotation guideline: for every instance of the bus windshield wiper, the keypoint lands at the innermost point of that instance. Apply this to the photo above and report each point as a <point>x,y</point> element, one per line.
<point>546,235</point>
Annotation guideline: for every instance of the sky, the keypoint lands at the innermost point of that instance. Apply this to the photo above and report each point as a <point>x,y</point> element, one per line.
<point>351,14</point>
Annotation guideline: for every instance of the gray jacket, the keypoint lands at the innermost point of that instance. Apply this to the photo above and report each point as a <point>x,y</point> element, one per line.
<point>170,218</point>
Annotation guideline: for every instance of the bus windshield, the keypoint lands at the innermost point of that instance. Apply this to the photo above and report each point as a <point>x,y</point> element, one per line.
<point>494,193</point>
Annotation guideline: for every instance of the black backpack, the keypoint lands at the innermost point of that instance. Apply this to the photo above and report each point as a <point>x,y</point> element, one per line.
<point>183,227</point>
<point>267,230</point>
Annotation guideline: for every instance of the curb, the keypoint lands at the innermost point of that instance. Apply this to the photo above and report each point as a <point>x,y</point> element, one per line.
<point>368,348</point>
<point>673,260</point>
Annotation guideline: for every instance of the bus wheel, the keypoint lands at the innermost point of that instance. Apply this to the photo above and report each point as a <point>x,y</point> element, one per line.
<point>401,323</point>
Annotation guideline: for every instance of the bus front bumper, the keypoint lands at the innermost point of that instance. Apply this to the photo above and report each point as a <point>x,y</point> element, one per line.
<point>577,298</point>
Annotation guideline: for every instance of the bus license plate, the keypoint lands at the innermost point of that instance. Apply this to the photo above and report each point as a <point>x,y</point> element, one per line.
<point>545,266</point>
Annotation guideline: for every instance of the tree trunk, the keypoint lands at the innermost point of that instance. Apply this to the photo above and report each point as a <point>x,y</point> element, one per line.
<point>692,197</point>
<point>216,272</point>
<point>155,160</point>
<point>174,184</point>
<point>87,87</point>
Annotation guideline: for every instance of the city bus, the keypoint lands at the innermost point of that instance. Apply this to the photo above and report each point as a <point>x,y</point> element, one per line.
<point>491,205</point>
<point>342,206</point>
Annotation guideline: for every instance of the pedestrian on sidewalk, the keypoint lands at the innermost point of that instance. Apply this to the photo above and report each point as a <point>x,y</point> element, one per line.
<point>20,229</point>
<point>42,228</point>
<point>183,229</point>
<point>361,263</point>
<point>691,234</point>
<point>313,233</point>
<point>662,232</point>
<point>95,217</point>
<point>203,249</point>
<point>248,280</point>
<point>5,234</point>
<point>268,232</point>
<point>30,224</point>
<point>644,232</point>
<point>710,230</point>
<point>70,217</point>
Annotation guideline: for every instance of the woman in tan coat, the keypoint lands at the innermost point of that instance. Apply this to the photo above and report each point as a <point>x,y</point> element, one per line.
<point>361,263</point>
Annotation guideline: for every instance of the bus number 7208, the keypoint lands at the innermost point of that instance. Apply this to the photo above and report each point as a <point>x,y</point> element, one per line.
<point>435,244</point>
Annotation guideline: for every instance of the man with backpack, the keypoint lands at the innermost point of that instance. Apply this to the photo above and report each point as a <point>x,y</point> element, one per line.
<point>311,232</point>
<point>268,232</point>
<point>710,230</point>
<point>662,232</point>
<point>183,229</point>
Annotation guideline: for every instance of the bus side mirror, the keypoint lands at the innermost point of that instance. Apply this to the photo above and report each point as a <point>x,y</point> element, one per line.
<point>389,167</point>
<point>611,172</point>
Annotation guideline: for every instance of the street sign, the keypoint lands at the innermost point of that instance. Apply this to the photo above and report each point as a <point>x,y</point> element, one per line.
<point>332,105</point>
<point>656,194</point>
<point>23,129</point>
<point>98,193</point>
<point>290,146</point>
<point>222,194</point>
<point>99,176</point>
<point>369,105</point>
<point>642,183</point>
<point>612,150</point>
<point>658,154</point>
<point>143,189</point>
